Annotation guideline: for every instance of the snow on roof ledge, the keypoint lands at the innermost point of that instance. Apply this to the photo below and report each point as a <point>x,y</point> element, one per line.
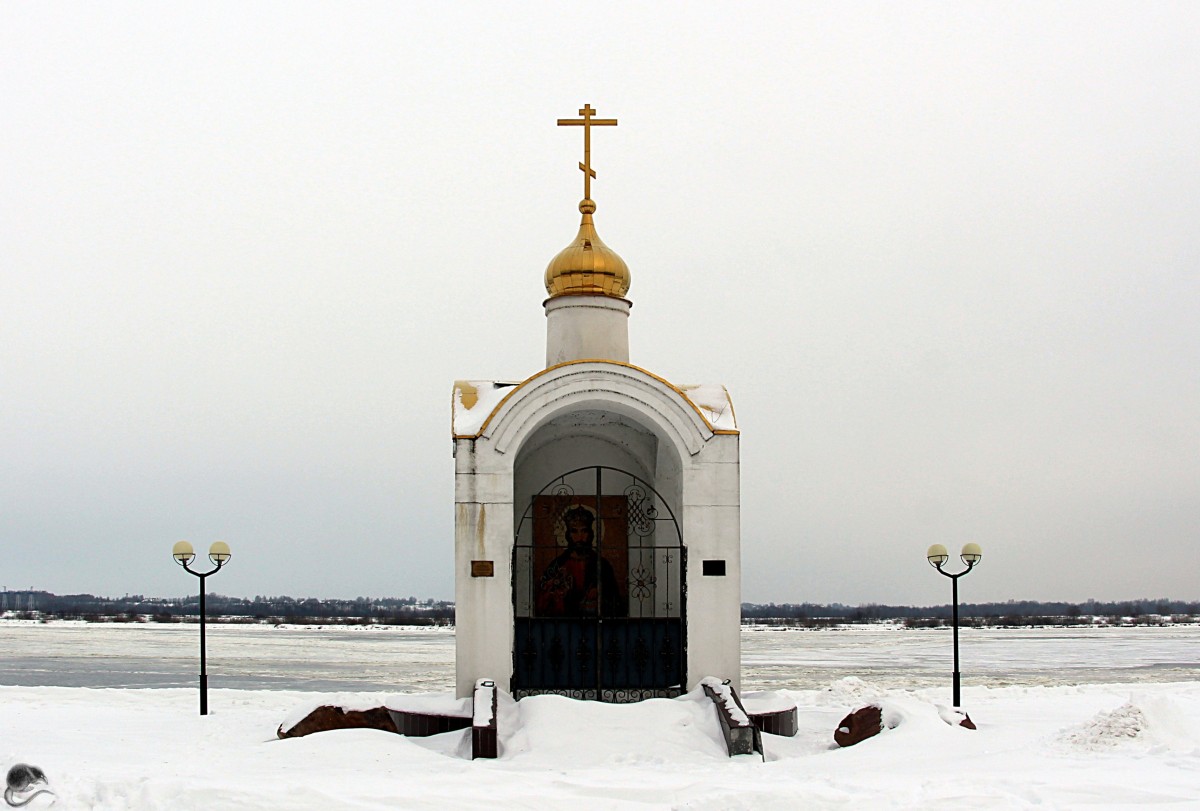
<point>713,401</point>
<point>473,401</point>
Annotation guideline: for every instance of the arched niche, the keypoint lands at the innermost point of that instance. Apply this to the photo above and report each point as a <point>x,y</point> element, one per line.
<point>601,432</point>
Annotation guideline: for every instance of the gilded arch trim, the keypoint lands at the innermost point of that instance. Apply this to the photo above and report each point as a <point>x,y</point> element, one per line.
<point>524,384</point>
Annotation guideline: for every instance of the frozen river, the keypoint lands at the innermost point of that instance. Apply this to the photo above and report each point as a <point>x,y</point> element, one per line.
<point>396,659</point>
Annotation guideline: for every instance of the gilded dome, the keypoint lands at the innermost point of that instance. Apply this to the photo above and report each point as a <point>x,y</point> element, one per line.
<point>587,266</point>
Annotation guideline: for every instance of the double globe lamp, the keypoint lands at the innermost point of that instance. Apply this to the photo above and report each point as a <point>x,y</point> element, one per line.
<point>218,555</point>
<point>938,556</point>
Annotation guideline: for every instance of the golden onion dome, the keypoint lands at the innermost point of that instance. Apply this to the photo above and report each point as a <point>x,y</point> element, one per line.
<point>587,266</point>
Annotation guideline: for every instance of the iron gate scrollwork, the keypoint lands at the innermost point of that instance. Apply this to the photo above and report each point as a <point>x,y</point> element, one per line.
<point>599,591</point>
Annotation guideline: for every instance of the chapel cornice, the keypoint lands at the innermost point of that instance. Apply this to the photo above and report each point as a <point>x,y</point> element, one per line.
<point>696,412</point>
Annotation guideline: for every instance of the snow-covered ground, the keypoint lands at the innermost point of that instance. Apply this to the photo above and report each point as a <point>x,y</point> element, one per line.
<point>1099,718</point>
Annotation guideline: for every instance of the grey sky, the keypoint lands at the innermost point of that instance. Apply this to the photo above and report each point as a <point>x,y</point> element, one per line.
<point>944,256</point>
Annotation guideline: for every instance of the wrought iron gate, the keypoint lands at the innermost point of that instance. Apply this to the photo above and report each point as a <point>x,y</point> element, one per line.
<point>599,591</point>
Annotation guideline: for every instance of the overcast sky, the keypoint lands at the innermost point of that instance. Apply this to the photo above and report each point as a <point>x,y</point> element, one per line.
<point>946,258</point>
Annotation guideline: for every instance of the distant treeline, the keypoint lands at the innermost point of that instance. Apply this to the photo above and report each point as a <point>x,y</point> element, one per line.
<point>1013,612</point>
<point>412,611</point>
<point>283,609</point>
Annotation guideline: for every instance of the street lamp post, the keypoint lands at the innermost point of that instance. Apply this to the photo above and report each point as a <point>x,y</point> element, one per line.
<point>219,555</point>
<point>937,557</point>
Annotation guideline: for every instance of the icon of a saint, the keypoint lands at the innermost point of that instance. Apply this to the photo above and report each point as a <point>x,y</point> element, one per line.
<point>579,582</point>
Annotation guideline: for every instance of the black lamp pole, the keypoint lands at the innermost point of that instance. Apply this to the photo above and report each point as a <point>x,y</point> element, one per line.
<point>218,555</point>
<point>937,557</point>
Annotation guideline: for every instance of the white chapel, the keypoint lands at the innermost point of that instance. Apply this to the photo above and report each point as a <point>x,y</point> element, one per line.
<point>596,530</point>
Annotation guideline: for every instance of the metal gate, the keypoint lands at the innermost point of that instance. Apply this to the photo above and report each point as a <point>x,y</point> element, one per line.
<point>599,591</point>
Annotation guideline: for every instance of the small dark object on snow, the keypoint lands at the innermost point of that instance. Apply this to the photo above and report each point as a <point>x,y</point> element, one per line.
<point>23,779</point>
<point>955,717</point>
<point>859,725</point>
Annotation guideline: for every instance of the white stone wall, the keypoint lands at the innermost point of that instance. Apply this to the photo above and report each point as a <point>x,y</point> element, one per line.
<point>712,531</point>
<point>654,433</point>
<point>483,521</point>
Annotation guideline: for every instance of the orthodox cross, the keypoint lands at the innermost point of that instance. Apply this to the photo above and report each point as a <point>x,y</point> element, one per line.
<point>587,122</point>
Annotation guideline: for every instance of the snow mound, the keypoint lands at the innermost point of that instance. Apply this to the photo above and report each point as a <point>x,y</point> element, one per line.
<point>765,701</point>
<point>1108,729</point>
<point>852,690</point>
<point>1150,722</point>
<point>557,732</point>
<point>950,715</point>
<point>430,704</point>
<point>915,714</point>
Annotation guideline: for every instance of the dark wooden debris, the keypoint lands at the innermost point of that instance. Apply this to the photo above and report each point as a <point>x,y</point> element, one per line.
<point>484,739</point>
<point>412,724</point>
<point>742,737</point>
<point>859,725</point>
<point>779,722</point>
<point>327,717</point>
<point>422,725</point>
